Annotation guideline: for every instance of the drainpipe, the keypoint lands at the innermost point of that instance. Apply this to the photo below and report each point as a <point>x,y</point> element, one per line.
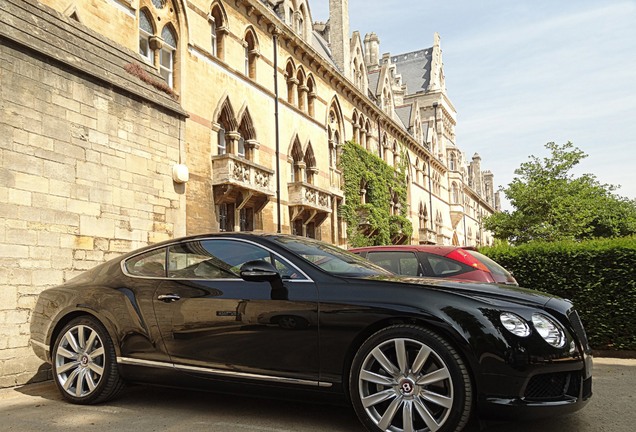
<point>430,185</point>
<point>276,31</point>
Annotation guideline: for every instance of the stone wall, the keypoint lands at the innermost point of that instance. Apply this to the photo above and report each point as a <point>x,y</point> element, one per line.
<point>85,174</point>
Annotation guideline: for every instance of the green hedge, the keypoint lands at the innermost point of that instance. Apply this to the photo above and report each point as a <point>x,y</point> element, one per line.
<point>599,276</point>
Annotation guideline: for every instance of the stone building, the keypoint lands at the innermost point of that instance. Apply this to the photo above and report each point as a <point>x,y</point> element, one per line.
<point>125,122</point>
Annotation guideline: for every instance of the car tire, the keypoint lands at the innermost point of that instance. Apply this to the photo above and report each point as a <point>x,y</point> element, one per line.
<point>408,378</point>
<point>84,362</point>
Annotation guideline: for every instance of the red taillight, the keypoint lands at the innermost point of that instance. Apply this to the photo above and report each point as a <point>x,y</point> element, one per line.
<point>464,257</point>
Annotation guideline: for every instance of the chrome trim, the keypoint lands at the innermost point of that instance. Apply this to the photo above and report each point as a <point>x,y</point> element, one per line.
<point>212,371</point>
<point>140,362</point>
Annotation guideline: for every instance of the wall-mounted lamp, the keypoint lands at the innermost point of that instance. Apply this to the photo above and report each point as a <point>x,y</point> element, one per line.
<point>180,173</point>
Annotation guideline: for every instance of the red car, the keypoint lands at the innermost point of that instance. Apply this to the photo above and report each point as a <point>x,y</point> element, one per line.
<point>452,262</point>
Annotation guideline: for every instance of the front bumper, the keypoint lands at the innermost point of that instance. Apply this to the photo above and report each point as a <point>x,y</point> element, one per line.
<point>549,390</point>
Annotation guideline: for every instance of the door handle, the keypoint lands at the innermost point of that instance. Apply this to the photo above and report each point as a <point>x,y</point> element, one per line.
<point>169,298</point>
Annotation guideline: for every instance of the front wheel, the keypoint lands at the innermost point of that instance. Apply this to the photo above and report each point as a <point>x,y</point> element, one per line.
<point>406,378</point>
<point>84,362</point>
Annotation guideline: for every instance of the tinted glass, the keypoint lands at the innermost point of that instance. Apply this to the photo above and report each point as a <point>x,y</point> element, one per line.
<point>398,262</point>
<point>494,268</point>
<point>220,259</point>
<point>149,264</point>
<point>330,258</point>
<point>444,267</point>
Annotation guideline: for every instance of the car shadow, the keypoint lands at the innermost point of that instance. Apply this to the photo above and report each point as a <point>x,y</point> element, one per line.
<point>142,407</point>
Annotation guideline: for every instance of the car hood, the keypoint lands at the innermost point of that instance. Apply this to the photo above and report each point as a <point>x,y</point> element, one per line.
<point>474,289</point>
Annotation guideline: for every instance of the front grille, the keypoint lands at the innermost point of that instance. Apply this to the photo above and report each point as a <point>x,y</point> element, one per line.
<point>553,386</point>
<point>575,320</point>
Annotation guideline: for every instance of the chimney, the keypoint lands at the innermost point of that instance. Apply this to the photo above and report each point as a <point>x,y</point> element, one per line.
<point>371,50</point>
<point>339,35</point>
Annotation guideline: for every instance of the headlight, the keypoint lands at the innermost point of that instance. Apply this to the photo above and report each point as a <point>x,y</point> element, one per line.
<point>550,331</point>
<point>515,324</point>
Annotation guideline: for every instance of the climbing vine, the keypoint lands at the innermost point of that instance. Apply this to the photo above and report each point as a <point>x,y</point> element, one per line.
<point>370,187</point>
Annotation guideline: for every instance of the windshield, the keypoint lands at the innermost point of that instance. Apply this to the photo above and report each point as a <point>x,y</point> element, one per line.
<point>330,258</point>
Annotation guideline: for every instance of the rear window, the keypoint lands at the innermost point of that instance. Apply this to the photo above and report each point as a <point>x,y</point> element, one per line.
<point>494,268</point>
<point>445,267</point>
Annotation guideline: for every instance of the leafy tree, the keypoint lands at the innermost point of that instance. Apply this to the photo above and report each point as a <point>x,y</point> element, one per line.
<point>551,204</point>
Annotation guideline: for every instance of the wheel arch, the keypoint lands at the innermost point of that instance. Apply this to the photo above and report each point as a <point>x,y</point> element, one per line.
<point>441,328</point>
<point>70,315</point>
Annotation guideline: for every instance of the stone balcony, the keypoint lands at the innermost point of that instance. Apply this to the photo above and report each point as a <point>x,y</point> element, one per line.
<point>456,214</point>
<point>309,197</point>
<point>229,169</point>
<point>427,235</point>
<point>235,179</point>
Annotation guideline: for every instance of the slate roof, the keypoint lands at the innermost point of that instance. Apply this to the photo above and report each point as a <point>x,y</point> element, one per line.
<point>374,77</point>
<point>404,113</point>
<point>415,68</point>
<point>322,47</point>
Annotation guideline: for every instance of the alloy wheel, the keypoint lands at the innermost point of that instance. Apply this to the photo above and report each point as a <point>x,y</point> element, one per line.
<point>80,361</point>
<point>404,385</point>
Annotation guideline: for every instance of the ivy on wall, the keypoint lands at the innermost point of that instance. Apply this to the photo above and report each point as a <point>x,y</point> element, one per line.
<point>369,186</point>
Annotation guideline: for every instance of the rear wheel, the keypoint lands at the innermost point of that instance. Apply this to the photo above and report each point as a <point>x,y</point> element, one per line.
<point>84,362</point>
<point>406,378</point>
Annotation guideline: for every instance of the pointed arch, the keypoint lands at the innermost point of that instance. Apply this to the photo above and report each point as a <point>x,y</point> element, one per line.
<point>296,150</point>
<point>301,77</point>
<point>246,125</point>
<point>310,162</point>
<point>311,94</point>
<point>296,160</point>
<point>219,28</point>
<point>146,31</point>
<point>252,51</point>
<point>369,134</point>
<point>292,82</point>
<point>309,157</point>
<point>224,114</point>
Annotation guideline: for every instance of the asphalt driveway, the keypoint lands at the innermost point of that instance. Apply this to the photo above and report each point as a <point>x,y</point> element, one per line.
<point>38,407</point>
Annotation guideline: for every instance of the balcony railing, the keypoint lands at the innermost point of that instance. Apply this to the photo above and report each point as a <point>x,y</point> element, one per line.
<point>310,196</point>
<point>427,235</point>
<point>234,170</point>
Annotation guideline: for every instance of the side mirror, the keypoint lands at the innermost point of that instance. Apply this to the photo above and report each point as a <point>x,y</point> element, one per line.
<point>259,271</point>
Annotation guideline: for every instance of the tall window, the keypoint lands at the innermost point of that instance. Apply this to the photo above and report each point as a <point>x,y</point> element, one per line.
<point>311,168</point>
<point>146,30</point>
<point>246,219</point>
<point>226,217</point>
<point>213,39</point>
<point>311,95</point>
<point>241,147</point>
<point>452,162</point>
<point>167,52</point>
<point>251,54</point>
<point>158,38</point>
<point>221,147</point>
<point>455,194</point>
<point>217,30</point>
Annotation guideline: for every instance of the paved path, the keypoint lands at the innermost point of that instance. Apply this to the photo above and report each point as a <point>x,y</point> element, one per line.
<point>39,407</point>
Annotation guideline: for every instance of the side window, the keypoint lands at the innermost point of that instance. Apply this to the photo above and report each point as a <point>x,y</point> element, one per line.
<point>398,262</point>
<point>444,267</point>
<point>219,259</point>
<point>149,264</point>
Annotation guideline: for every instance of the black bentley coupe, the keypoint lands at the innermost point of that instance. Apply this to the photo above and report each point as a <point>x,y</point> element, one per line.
<point>291,313</point>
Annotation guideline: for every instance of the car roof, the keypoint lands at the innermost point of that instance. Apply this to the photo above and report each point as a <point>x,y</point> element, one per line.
<point>436,249</point>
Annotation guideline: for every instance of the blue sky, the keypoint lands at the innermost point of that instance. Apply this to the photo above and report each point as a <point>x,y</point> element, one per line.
<point>524,73</point>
